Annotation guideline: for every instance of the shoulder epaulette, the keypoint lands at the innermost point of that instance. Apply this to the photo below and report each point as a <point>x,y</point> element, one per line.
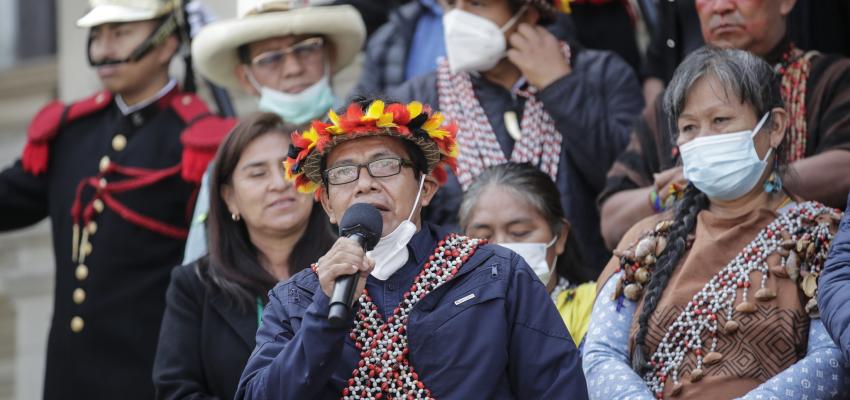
<point>46,124</point>
<point>204,132</point>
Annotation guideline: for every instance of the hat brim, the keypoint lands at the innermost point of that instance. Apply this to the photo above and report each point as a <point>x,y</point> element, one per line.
<point>312,165</point>
<point>214,50</point>
<point>110,13</point>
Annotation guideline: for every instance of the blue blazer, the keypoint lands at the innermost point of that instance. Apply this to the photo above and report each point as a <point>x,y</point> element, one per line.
<point>506,342</point>
<point>834,287</point>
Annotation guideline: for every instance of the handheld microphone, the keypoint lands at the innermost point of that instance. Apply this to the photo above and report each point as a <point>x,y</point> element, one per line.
<point>361,222</point>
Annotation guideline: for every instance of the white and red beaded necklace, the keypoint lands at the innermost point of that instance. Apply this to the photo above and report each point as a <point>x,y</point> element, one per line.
<point>540,143</point>
<point>793,232</point>
<point>384,370</point>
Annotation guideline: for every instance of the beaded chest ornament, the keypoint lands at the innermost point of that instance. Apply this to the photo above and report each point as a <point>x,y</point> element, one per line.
<point>796,235</point>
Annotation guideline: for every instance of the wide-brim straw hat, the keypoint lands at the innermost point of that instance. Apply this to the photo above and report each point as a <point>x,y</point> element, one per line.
<point>215,48</point>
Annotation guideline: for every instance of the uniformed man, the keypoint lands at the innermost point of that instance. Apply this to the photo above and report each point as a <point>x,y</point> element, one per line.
<point>116,174</point>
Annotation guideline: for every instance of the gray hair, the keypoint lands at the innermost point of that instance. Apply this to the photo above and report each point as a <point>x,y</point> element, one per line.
<point>741,73</point>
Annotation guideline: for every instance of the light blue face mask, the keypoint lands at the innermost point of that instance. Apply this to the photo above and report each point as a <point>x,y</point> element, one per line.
<point>724,166</point>
<point>298,108</point>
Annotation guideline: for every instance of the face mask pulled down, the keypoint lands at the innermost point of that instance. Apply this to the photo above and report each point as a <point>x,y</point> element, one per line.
<point>724,166</point>
<point>473,43</point>
<point>390,254</point>
<point>534,255</point>
<point>297,108</point>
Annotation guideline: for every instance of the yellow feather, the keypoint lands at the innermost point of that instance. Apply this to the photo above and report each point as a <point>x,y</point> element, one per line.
<point>386,121</point>
<point>433,122</point>
<point>375,111</point>
<point>414,108</point>
<point>333,117</point>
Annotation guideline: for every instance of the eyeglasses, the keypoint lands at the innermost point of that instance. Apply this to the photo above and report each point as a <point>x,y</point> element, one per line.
<point>304,50</point>
<point>380,168</point>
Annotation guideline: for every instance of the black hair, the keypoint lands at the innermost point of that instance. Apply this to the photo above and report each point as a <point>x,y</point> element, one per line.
<point>538,189</point>
<point>233,264</point>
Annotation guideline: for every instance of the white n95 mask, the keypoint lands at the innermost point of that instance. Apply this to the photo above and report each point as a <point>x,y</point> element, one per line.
<point>473,43</point>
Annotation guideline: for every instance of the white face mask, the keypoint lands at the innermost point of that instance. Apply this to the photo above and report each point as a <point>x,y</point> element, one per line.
<point>390,253</point>
<point>297,108</point>
<point>724,166</point>
<point>473,43</point>
<point>534,255</point>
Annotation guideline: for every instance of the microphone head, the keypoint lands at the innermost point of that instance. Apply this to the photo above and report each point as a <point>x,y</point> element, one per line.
<point>365,220</point>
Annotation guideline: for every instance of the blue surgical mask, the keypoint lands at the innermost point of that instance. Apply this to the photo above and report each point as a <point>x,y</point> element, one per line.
<point>724,166</point>
<point>298,108</point>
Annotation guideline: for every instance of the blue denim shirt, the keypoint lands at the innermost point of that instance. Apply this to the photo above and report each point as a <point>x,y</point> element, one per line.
<point>387,294</point>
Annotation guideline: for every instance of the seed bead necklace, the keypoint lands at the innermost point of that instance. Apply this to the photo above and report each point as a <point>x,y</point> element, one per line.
<point>794,70</point>
<point>384,369</point>
<point>803,244</point>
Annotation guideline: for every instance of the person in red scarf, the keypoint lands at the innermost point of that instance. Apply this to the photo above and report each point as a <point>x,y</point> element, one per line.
<point>116,174</point>
<point>519,94</point>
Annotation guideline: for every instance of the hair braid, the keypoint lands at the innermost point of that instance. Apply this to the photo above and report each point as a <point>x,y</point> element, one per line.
<point>693,201</point>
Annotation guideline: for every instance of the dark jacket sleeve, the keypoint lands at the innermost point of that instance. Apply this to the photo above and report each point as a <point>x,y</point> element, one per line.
<point>23,197</point>
<point>178,366</point>
<point>291,363</point>
<point>594,107</point>
<point>834,287</point>
<point>544,361</point>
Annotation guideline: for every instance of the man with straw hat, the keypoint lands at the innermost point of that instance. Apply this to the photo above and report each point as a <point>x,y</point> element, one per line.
<point>115,174</point>
<point>438,316</point>
<point>284,52</point>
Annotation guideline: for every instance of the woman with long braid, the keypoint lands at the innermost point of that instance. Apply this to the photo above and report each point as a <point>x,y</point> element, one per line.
<point>717,299</point>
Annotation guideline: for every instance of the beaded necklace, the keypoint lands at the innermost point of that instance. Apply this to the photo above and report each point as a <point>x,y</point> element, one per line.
<point>540,143</point>
<point>794,70</point>
<point>384,369</point>
<point>796,235</point>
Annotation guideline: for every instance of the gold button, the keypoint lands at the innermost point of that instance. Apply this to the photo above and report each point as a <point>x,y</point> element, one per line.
<point>77,324</point>
<point>119,142</point>
<point>102,183</point>
<point>82,272</point>
<point>104,163</point>
<point>86,249</point>
<point>79,296</point>
<point>91,227</point>
<point>98,205</point>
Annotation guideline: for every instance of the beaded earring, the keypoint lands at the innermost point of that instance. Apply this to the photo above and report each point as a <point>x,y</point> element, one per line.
<point>235,217</point>
<point>773,184</point>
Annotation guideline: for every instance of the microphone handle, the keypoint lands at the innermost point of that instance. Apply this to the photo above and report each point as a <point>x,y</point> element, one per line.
<point>339,314</point>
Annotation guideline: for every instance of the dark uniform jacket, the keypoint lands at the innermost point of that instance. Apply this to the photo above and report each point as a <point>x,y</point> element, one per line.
<point>135,186</point>
<point>205,341</point>
<point>834,287</point>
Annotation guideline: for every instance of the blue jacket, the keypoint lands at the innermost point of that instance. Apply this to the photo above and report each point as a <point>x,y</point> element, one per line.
<point>506,342</point>
<point>834,287</point>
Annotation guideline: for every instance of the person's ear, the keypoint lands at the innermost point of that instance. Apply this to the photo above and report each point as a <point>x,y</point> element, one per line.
<point>785,7</point>
<point>168,49</point>
<point>326,205</point>
<point>330,52</point>
<point>561,243</point>
<point>429,189</point>
<point>778,124</point>
<point>241,72</point>
<point>229,196</point>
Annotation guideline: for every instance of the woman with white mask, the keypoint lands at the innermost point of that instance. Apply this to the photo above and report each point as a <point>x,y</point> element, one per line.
<point>516,206</point>
<point>717,297</point>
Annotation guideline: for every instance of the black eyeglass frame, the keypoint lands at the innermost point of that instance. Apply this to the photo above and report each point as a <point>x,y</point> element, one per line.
<point>401,163</point>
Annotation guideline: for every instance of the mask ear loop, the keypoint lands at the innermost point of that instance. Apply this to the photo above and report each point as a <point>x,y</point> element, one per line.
<point>418,194</point>
<point>758,129</point>
<point>252,80</point>
<point>514,19</point>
